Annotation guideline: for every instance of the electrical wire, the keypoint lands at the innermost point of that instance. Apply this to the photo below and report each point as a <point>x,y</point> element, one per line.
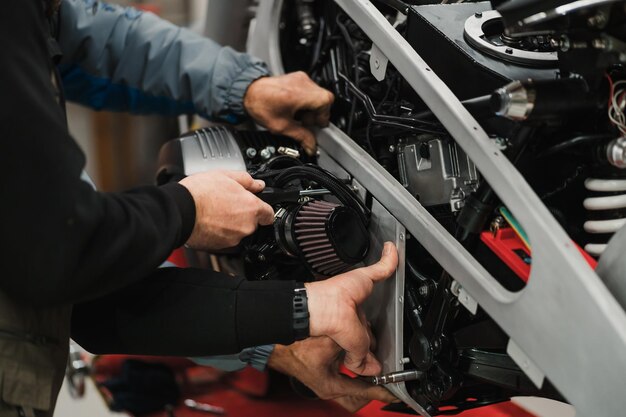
<point>576,141</point>
<point>407,123</point>
<point>515,225</point>
<point>328,181</point>
<point>617,104</point>
<point>317,50</point>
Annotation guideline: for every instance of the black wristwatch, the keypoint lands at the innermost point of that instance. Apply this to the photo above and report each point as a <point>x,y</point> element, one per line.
<point>300,312</point>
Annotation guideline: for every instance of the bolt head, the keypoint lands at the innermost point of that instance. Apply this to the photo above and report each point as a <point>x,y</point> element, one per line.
<point>266,154</point>
<point>423,290</point>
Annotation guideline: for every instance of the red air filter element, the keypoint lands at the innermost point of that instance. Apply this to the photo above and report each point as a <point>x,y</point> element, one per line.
<point>331,237</point>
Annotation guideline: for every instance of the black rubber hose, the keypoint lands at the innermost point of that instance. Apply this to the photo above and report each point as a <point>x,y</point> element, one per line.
<point>328,181</point>
<point>481,203</point>
<point>578,140</point>
<point>479,107</point>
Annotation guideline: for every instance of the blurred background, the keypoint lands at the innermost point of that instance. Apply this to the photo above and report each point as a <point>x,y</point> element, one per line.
<point>122,149</point>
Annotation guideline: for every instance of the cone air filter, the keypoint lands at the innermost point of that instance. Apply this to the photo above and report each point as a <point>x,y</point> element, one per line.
<point>330,237</point>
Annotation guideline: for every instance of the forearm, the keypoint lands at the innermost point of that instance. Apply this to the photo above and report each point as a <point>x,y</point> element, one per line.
<point>187,312</point>
<point>120,59</point>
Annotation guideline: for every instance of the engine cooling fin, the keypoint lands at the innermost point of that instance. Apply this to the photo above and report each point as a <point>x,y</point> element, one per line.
<point>331,237</point>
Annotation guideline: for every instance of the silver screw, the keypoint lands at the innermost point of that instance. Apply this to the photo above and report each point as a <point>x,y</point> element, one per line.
<point>501,143</point>
<point>266,154</point>
<point>392,148</point>
<point>401,236</point>
<point>423,291</point>
<point>251,153</point>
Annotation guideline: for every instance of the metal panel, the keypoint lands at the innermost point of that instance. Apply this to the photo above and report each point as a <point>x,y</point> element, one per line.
<point>211,149</point>
<point>388,317</point>
<point>565,320</point>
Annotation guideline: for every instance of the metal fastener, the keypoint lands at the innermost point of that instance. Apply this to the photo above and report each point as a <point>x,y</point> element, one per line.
<point>251,153</point>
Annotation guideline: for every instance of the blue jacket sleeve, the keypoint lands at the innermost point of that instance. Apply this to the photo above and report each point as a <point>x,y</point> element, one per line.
<point>121,59</point>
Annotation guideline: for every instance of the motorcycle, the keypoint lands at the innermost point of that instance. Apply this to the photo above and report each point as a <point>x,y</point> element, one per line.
<point>488,141</point>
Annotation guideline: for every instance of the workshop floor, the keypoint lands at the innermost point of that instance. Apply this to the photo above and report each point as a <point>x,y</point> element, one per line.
<point>236,405</point>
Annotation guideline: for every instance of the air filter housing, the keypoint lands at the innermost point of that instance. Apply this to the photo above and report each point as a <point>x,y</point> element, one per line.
<point>329,237</point>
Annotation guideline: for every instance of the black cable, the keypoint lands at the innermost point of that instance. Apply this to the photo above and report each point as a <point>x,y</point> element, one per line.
<point>394,121</point>
<point>481,203</point>
<point>368,139</point>
<point>355,64</point>
<point>390,82</point>
<point>317,49</point>
<point>328,181</point>
<point>350,43</point>
<point>578,140</point>
<point>398,5</point>
<point>477,106</point>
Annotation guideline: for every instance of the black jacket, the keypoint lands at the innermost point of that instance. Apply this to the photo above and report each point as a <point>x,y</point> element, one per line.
<point>63,243</point>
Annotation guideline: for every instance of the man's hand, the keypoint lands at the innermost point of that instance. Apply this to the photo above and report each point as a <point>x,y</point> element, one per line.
<point>277,102</point>
<point>226,208</point>
<point>334,312</point>
<point>315,362</point>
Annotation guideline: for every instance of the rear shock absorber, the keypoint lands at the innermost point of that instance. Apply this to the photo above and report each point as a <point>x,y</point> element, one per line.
<point>607,211</point>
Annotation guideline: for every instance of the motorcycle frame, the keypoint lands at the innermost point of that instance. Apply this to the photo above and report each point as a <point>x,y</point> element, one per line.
<point>564,325</point>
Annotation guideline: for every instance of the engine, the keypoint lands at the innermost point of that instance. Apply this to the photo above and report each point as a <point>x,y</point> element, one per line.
<point>320,226</point>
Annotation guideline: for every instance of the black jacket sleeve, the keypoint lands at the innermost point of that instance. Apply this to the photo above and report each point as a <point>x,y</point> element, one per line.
<point>62,241</point>
<point>186,312</point>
